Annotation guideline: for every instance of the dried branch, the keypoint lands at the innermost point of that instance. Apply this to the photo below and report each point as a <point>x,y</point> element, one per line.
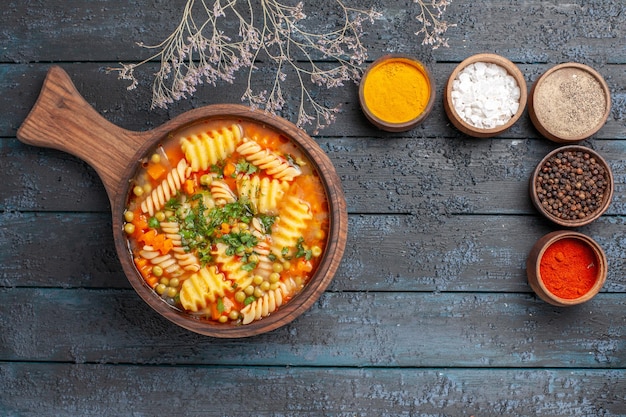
<point>198,51</point>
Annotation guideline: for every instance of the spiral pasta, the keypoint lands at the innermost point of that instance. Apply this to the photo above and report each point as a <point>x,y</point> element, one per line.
<point>167,261</point>
<point>202,288</point>
<point>287,229</point>
<point>263,193</point>
<point>231,266</point>
<point>208,148</point>
<point>221,193</point>
<point>272,163</point>
<point>167,189</point>
<point>265,265</point>
<point>186,260</point>
<point>268,303</point>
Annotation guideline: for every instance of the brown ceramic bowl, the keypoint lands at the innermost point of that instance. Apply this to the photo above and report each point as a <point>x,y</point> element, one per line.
<point>377,106</point>
<point>460,122</point>
<point>569,103</point>
<point>63,120</point>
<point>560,214</point>
<point>537,282</point>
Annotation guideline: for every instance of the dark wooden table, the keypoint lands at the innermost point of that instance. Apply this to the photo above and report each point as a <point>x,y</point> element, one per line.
<point>430,313</point>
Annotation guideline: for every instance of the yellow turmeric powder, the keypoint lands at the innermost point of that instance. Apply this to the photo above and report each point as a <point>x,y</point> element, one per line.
<point>396,90</point>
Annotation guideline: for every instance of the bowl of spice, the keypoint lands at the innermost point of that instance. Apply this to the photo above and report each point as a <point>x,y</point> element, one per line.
<point>569,102</point>
<point>572,186</point>
<point>565,268</point>
<point>396,93</point>
<point>485,95</point>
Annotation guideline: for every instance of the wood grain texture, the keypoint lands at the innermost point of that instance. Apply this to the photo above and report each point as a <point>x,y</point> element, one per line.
<point>430,313</point>
<point>353,329</point>
<point>101,391</point>
<point>543,31</point>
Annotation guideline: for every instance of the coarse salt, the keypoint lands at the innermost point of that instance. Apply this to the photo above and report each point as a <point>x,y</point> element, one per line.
<point>485,95</point>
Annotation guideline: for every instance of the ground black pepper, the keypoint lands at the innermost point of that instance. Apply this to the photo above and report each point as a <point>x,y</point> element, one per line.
<point>570,102</point>
<point>571,185</point>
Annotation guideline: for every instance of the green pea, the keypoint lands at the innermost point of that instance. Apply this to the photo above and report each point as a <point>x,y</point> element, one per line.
<point>129,216</point>
<point>240,296</point>
<point>205,179</point>
<point>274,277</point>
<point>157,271</point>
<point>160,289</point>
<point>129,228</point>
<point>249,290</point>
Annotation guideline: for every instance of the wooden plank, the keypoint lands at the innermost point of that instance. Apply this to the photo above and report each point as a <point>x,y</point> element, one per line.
<point>383,253</point>
<point>428,176</point>
<point>544,32</point>
<point>98,390</point>
<point>40,179</point>
<point>538,31</point>
<point>59,250</point>
<point>131,109</point>
<point>382,329</point>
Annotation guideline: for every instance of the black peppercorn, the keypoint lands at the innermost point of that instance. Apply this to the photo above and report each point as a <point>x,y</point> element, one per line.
<point>571,185</point>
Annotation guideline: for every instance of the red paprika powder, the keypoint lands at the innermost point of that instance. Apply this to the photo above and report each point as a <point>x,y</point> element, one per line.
<point>569,268</point>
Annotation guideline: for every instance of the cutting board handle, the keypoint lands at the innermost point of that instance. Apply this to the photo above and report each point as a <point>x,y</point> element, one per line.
<point>62,119</point>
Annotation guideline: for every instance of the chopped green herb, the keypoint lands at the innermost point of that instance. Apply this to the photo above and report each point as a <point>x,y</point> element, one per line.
<point>238,242</point>
<point>267,221</point>
<point>301,251</point>
<point>245,167</point>
<point>173,203</point>
<point>249,300</point>
<point>220,305</point>
<point>218,169</point>
<point>249,266</point>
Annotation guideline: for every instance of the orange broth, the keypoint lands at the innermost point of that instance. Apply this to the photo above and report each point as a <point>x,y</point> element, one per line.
<point>223,233</point>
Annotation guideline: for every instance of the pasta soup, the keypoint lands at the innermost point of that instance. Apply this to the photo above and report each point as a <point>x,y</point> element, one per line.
<point>226,220</point>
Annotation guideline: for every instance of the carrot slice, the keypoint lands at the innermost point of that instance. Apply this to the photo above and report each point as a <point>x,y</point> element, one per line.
<point>145,269</point>
<point>229,169</point>
<point>189,186</point>
<point>156,171</point>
